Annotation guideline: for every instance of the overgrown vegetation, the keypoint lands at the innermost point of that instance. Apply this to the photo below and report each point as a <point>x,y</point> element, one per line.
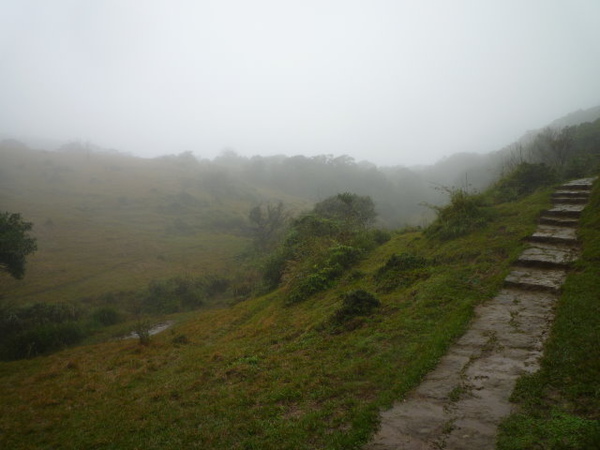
<point>465,213</point>
<point>15,243</point>
<point>355,304</point>
<point>523,180</point>
<point>321,245</point>
<point>559,406</point>
<point>31,330</point>
<point>264,375</point>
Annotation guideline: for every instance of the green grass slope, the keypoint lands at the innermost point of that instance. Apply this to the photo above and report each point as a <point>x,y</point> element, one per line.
<point>109,222</point>
<point>263,375</point>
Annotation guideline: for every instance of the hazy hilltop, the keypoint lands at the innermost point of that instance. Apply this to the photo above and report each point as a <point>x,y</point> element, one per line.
<point>577,117</point>
<point>107,220</point>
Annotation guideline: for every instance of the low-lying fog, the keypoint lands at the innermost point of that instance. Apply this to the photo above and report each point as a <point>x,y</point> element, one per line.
<point>391,82</point>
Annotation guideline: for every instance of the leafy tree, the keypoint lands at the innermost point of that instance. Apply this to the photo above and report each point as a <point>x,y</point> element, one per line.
<point>268,223</point>
<point>15,243</point>
<point>555,146</point>
<point>351,209</point>
<point>322,244</point>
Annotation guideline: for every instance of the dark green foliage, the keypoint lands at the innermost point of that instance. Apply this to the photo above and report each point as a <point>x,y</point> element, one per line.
<point>355,303</point>
<point>142,330</point>
<point>315,226</point>
<point>571,152</point>
<point>337,260</point>
<point>465,213</point>
<point>43,339</point>
<point>311,284</point>
<point>321,245</point>
<point>106,316</point>
<point>525,179</point>
<point>401,271</point>
<point>350,209</point>
<point>268,223</point>
<point>343,256</point>
<point>181,294</point>
<point>15,244</point>
<point>380,237</point>
<point>29,331</point>
<point>402,263</point>
<point>274,267</point>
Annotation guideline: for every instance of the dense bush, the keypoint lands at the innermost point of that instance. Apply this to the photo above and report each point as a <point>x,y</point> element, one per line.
<point>355,303</point>
<point>524,180</point>
<point>181,294</point>
<point>106,316</point>
<point>350,209</point>
<point>465,213</point>
<point>322,276</point>
<point>28,331</point>
<point>42,339</point>
<point>321,245</point>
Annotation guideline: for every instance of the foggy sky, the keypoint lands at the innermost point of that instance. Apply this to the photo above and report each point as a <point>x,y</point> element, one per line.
<point>390,81</point>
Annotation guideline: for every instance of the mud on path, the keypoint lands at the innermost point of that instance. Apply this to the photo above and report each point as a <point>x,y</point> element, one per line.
<point>460,403</point>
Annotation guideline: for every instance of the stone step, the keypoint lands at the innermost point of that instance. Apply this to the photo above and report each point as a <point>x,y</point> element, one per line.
<point>565,210</point>
<point>558,221</point>
<point>554,234</point>
<point>584,184</point>
<point>548,256</point>
<point>569,193</point>
<point>536,279</point>
<point>570,200</point>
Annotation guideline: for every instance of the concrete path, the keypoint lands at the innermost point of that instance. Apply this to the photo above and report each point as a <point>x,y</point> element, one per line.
<point>460,403</point>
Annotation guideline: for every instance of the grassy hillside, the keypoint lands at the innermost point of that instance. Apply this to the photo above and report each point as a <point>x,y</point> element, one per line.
<point>265,375</point>
<point>108,222</point>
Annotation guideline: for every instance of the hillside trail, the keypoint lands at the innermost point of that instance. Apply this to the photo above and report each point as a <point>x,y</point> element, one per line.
<point>461,402</point>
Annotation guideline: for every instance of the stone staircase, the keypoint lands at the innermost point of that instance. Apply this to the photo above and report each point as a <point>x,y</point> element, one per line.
<point>554,244</point>
<point>461,402</point>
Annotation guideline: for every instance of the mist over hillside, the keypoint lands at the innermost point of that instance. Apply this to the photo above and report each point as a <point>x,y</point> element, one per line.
<point>278,275</point>
<point>137,219</point>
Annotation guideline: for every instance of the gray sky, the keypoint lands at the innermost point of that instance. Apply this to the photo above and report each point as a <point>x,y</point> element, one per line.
<point>391,81</point>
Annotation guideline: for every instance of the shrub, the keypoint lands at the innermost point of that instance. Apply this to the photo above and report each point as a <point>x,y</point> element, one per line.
<point>337,259</point>
<point>402,263</point>
<point>43,339</point>
<point>525,179</point>
<point>181,293</point>
<point>355,303</point>
<point>464,214</point>
<point>106,316</point>
<point>142,329</point>
<point>32,330</point>
<point>274,268</point>
<point>380,237</point>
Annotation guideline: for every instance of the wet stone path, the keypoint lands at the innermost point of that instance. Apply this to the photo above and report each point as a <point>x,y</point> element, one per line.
<point>461,402</point>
